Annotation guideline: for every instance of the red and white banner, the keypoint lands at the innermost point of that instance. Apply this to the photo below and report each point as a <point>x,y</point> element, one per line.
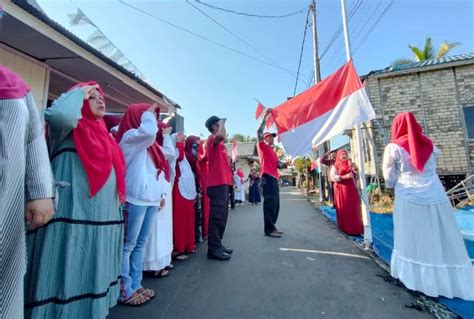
<point>327,109</point>
<point>234,151</point>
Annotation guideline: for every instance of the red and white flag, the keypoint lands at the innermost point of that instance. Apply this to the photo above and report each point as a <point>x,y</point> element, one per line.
<point>327,109</point>
<point>234,151</point>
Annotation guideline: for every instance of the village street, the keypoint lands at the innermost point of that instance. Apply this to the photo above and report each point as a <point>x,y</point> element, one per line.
<point>313,271</point>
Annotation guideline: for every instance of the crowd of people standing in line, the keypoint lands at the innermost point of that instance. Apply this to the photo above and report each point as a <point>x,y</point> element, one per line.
<point>128,203</point>
<point>104,203</point>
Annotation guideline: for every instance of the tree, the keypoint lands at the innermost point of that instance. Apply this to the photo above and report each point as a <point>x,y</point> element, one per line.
<point>427,52</point>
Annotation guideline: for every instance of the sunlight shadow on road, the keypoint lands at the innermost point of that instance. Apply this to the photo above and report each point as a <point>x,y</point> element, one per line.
<point>322,252</point>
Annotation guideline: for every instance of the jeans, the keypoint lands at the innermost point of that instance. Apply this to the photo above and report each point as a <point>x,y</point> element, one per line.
<point>140,220</point>
<point>271,202</point>
<point>219,196</point>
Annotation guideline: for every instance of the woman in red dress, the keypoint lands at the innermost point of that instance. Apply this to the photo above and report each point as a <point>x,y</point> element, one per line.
<point>346,196</point>
<point>203,169</point>
<point>184,193</point>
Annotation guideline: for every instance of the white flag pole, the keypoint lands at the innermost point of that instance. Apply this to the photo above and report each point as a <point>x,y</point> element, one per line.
<point>360,155</point>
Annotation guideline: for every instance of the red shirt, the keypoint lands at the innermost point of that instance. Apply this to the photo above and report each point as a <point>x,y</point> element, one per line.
<point>219,166</point>
<point>268,159</point>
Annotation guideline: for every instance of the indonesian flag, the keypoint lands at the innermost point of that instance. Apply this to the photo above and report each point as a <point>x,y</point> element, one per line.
<point>314,165</point>
<point>327,109</point>
<point>234,150</point>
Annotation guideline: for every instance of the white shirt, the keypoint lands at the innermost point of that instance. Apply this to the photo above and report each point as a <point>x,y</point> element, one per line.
<point>144,186</point>
<point>409,183</point>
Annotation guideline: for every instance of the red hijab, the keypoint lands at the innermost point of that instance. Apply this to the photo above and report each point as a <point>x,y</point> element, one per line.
<point>132,120</point>
<point>159,135</point>
<point>188,149</point>
<point>11,85</point>
<point>407,133</point>
<point>343,166</point>
<point>240,173</point>
<point>97,150</point>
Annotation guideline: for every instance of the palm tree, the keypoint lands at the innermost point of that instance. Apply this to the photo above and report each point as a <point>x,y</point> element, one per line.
<point>427,52</point>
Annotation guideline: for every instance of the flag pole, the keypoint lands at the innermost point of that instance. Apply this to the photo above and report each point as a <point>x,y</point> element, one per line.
<point>358,140</point>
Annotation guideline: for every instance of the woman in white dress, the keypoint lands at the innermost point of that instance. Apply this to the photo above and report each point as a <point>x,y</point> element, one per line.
<point>429,254</point>
<point>238,189</point>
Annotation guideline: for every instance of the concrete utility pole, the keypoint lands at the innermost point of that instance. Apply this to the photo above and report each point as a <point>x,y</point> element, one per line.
<point>317,78</point>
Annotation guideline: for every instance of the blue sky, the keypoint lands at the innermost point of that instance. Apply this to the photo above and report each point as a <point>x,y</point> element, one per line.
<point>206,79</point>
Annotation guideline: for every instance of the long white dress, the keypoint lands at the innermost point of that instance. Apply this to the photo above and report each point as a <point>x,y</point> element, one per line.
<point>160,244</point>
<point>429,254</point>
<point>239,191</point>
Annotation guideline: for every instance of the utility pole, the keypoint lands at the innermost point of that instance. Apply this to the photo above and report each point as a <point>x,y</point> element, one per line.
<point>317,78</point>
<point>317,72</point>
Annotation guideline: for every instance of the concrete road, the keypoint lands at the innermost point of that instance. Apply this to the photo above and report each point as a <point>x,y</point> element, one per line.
<point>313,271</point>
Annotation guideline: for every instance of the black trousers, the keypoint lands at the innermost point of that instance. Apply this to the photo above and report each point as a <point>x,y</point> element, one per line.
<point>232,197</point>
<point>271,202</point>
<point>219,196</point>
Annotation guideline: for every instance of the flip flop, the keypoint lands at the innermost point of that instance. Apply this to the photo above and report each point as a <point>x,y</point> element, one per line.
<point>150,293</point>
<point>134,297</point>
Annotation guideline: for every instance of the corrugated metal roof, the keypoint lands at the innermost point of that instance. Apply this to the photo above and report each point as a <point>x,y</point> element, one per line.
<point>426,63</point>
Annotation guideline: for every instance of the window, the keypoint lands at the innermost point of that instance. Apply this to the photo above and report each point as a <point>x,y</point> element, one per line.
<point>469,121</point>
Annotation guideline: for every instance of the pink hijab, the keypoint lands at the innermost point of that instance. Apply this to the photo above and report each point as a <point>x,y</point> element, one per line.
<point>11,85</point>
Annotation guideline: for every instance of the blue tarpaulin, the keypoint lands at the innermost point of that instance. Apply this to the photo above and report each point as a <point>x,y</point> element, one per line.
<point>382,238</point>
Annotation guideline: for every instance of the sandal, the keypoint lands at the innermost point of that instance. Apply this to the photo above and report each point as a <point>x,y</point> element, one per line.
<point>170,267</point>
<point>135,300</point>
<point>150,293</point>
<point>158,274</point>
<point>181,257</point>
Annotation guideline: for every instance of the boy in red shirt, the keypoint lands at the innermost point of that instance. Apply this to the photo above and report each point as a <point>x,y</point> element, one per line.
<point>269,164</point>
<point>218,182</point>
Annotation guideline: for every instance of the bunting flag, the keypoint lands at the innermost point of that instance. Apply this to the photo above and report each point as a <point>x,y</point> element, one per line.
<point>327,109</point>
<point>259,110</point>
<point>234,150</point>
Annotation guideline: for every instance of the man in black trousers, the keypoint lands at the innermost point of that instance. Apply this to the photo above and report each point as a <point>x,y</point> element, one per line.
<point>218,183</point>
<point>269,164</point>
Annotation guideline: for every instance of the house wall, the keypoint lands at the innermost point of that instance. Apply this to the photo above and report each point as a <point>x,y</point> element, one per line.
<point>34,74</point>
<point>436,98</point>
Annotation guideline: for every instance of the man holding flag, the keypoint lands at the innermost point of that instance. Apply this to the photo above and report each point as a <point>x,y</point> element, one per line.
<point>269,164</point>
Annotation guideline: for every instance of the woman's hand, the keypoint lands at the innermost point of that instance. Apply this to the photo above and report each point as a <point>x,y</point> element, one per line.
<point>162,203</point>
<point>349,176</point>
<point>89,90</point>
<point>38,212</point>
<point>152,108</point>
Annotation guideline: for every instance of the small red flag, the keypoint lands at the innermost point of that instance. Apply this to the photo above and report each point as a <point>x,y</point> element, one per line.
<point>259,110</point>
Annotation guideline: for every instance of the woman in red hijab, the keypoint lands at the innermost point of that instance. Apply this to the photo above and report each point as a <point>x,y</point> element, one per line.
<point>74,260</point>
<point>429,254</point>
<point>203,169</point>
<point>346,195</point>
<point>26,186</point>
<point>147,180</point>
<point>191,149</point>
<point>184,194</point>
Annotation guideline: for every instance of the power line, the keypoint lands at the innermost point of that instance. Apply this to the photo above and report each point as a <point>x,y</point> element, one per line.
<point>373,26</point>
<point>251,14</point>
<point>301,52</point>
<point>275,64</point>
<point>355,7</point>
<point>197,35</point>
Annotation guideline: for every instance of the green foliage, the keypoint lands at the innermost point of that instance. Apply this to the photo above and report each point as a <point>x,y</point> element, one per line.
<point>427,52</point>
